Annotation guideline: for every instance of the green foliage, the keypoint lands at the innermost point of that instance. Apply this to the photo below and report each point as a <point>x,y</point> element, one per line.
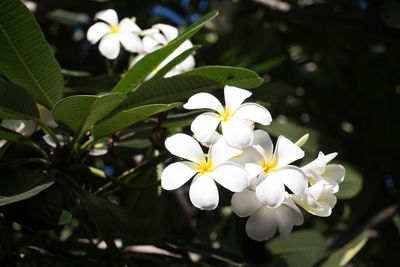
<point>81,112</point>
<point>26,58</point>
<point>145,66</point>
<point>300,248</point>
<point>126,118</point>
<point>15,102</point>
<point>344,255</point>
<point>23,186</point>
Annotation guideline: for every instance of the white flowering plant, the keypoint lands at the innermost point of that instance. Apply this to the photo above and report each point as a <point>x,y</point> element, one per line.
<point>109,172</point>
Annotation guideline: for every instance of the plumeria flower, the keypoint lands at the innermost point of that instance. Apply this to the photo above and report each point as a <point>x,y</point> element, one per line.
<point>269,170</point>
<point>264,220</point>
<point>113,33</point>
<point>203,191</point>
<point>158,36</point>
<point>324,178</point>
<point>2,142</point>
<point>46,117</point>
<point>236,119</point>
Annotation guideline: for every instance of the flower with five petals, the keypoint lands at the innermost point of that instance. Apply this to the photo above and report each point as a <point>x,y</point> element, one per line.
<point>236,119</point>
<point>203,191</point>
<point>113,33</point>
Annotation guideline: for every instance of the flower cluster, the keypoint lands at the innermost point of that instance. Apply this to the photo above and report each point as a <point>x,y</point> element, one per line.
<point>266,185</point>
<point>111,33</point>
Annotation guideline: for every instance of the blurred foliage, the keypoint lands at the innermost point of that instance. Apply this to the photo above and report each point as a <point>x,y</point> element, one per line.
<point>330,68</point>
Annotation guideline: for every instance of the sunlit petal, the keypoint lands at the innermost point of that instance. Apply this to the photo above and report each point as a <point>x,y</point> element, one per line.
<point>335,172</point>
<point>294,179</point>
<point>204,100</point>
<point>245,203</point>
<point>109,46</point>
<point>262,224</point>
<point>127,25</point>
<point>204,193</point>
<point>286,152</point>
<point>271,191</point>
<point>204,125</point>
<point>220,152</point>
<point>185,146</point>
<point>319,164</point>
<point>131,42</point>
<point>284,217</point>
<point>169,31</point>
<point>108,15</point>
<point>237,133</point>
<point>177,174</point>
<point>97,31</point>
<point>263,144</point>
<point>149,44</point>
<point>254,112</point>
<point>234,97</point>
<point>231,176</point>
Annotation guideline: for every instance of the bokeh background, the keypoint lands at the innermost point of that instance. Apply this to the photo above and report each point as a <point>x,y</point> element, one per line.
<point>331,68</point>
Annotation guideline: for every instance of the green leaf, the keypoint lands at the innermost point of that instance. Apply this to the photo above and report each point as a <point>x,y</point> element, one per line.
<point>352,182</point>
<point>301,248</point>
<point>14,188</point>
<point>183,86</point>
<point>268,65</point>
<point>81,112</point>
<point>148,63</point>
<point>15,102</point>
<point>113,217</point>
<point>26,57</point>
<point>233,76</point>
<point>161,73</point>
<point>68,18</point>
<point>342,256</point>
<point>128,117</point>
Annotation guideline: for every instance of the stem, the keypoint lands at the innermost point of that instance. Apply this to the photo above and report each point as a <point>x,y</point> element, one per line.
<point>86,144</point>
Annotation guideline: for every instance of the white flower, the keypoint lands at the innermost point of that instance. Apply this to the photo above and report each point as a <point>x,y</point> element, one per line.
<point>203,191</point>
<point>2,142</point>
<point>46,117</point>
<point>23,127</point>
<point>324,178</point>
<point>236,119</point>
<point>158,36</point>
<point>270,172</point>
<point>264,221</point>
<point>112,33</point>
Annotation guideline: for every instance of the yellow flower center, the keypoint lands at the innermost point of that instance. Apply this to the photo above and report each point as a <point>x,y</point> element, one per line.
<point>226,114</point>
<point>114,29</point>
<point>204,167</point>
<point>269,166</point>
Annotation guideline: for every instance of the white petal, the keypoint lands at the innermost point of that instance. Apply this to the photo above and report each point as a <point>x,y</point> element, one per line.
<point>97,31</point>
<point>263,144</point>
<point>262,224</point>
<point>220,152</point>
<point>234,97</point>
<point>245,203</point>
<point>109,46</point>
<point>204,125</point>
<point>297,215</point>
<point>203,193</point>
<point>215,136</point>
<point>318,165</point>
<point>127,25</point>
<point>108,15</point>
<point>150,45</point>
<point>204,100</point>
<point>27,127</point>
<point>183,145</point>
<point>169,31</point>
<point>254,112</point>
<point>335,172</point>
<point>131,42</point>
<point>186,65</point>
<point>237,133</point>
<point>294,179</point>
<point>46,117</point>
<point>177,174</point>
<point>252,160</point>
<point>286,152</point>
<point>231,176</point>
<point>2,142</point>
<point>271,191</point>
<point>284,217</point>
